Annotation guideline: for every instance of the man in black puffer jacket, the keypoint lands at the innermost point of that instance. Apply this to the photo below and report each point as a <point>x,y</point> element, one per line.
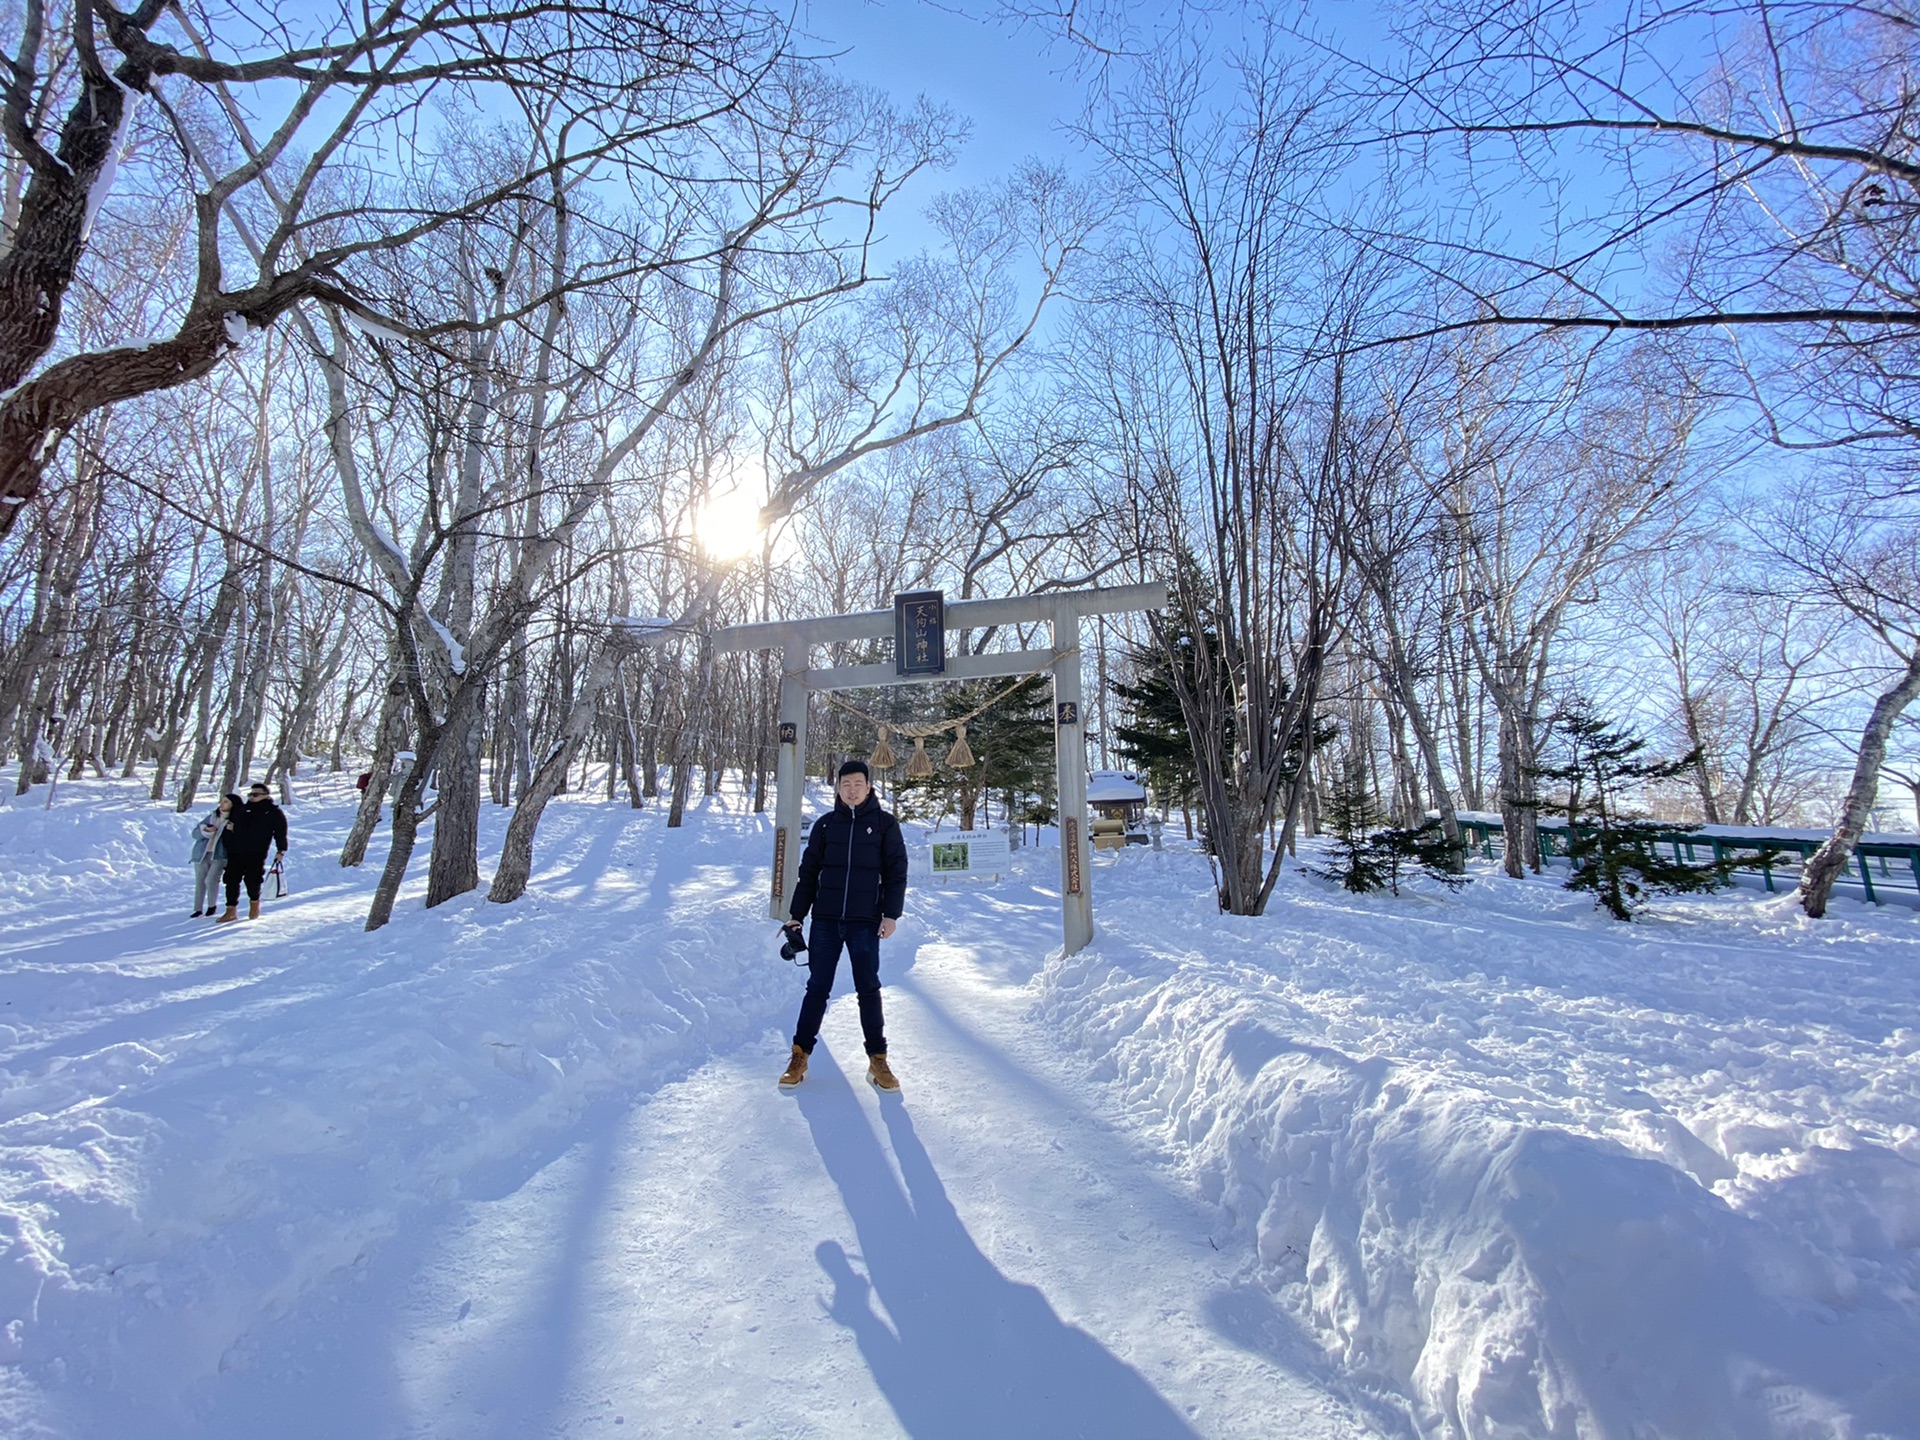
<point>253,829</point>
<point>853,877</point>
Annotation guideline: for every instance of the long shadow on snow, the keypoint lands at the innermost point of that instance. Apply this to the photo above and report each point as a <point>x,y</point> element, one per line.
<point>969,1352</point>
<point>586,872</point>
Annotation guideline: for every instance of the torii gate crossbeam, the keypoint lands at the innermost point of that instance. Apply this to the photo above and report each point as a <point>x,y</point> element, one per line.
<point>1062,611</point>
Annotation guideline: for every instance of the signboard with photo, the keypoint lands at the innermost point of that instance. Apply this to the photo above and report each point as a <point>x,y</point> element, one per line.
<point>971,852</point>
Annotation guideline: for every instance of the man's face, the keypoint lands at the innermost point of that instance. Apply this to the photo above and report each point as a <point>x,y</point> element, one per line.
<point>256,795</point>
<point>853,789</point>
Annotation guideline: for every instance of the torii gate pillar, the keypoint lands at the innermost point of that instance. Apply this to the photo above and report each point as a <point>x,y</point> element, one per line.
<point>1070,774</point>
<point>789,775</point>
<point>1061,611</point>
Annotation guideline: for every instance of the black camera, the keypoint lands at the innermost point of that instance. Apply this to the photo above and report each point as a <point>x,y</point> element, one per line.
<point>792,942</point>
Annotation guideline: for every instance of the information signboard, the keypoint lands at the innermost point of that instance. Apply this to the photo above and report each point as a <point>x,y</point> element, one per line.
<point>971,852</point>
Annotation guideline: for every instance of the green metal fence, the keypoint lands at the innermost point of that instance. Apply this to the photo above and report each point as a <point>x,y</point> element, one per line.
<point>1881,865</point>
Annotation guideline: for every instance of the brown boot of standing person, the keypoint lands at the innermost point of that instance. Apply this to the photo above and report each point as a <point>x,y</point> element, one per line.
<point>232,912</point>
<point>796,1069</point>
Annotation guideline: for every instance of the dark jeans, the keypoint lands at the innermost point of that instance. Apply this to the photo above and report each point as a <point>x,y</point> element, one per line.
<point>862,940</point>
<point>250,868</point>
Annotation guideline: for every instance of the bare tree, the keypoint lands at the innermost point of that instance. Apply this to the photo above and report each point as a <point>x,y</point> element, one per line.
<point>1554,476</point>
<point>1846,550</point>
<point>1756,165</point>
<point>1221,439</point>
<point>1390,518</point>
<point>1749,172</point>
<point>614,80</point>
<point>1744,666</point>
<point>891,369</point>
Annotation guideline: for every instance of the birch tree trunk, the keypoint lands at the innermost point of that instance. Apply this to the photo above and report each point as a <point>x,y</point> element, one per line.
<point>454,868</point>
<point>516,855</point>
<point>68,546</point>
<point>692,727</point>
<point>386,744</point>
<point>1518,814</point>
<point>202,752</point>
<point>629,749</point>
<point>1830,860</point>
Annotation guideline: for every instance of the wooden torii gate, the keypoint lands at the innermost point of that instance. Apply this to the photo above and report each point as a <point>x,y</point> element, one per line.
<point>1062,611</point>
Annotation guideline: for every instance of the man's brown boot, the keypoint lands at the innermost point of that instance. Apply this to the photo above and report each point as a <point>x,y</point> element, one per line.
<point>796,1069</point>
<point>880,1076</point>
<point>253,909</point>
<point>230,913</point>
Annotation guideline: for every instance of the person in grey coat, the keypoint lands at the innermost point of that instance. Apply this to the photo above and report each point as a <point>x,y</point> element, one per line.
<point>210,855</point>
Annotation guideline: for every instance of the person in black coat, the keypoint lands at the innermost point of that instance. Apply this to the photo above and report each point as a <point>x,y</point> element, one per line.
<point>253,829</point>
<point>853,877</point>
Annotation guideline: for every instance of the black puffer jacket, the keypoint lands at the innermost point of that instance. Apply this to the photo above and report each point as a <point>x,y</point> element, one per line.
<point>254,828</point>
<point>854,866</point>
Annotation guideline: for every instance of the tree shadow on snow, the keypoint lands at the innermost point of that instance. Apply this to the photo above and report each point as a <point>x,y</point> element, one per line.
<point>961,1351</point>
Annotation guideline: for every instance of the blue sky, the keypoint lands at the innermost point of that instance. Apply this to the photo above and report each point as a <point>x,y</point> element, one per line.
<point>1017,97</point>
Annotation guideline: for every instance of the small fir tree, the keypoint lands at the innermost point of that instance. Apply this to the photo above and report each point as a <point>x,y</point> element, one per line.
<point>1615,854</point>
<point>1349,813</point>
<point>1424,847</point>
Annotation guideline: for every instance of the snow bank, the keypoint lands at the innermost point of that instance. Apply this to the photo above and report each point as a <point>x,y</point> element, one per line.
<point>199,1126</point>
<point>1542,1175</point>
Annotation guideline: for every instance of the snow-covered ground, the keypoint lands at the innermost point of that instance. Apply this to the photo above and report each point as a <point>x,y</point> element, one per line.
<point>1482,1165</point>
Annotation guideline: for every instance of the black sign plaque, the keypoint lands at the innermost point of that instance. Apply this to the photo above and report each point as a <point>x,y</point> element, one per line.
<point>1067,713</point>
<point>920,633</point>
<point>789,733</point>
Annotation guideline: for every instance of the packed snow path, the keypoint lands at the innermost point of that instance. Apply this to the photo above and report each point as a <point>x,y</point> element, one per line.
<point>984,1256</point>
<point>1473,1166</point>
<point>980,1257</point>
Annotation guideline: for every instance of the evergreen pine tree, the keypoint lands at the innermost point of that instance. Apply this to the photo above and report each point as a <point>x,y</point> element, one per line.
<point>1157,744</point>
<point>1615,855</point>
<point>1012,744</point>
<point>1425,846</point>
<point>1350,812</point>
